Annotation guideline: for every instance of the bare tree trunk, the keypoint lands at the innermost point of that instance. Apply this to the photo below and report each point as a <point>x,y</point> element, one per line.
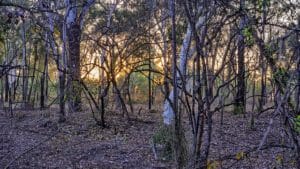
<point>74,24</point>
<point>253,102</point>
<point>60,66</point>
<point>74,92</point>
<point>33,73</point>
<point>150,66</point>
<point>201,157</point>
<point>61,97</point>
<point>298,71</point>
<point>241,85</point>
<point>263,96</point>
<point>24,69</point>
<point>165,49</point>
<point>120,98</point>
<point>177,114</point>
<point>128,93</point>
<point>6,88</point>
<point>44,77</point>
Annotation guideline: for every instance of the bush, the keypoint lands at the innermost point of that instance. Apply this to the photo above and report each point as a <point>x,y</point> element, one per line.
<point>162,141</point>
<point>238,110</point>
<point>297,124</point>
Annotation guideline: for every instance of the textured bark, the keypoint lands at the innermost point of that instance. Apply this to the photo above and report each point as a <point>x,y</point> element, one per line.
<point>74,25</point>
<point>74,92</point>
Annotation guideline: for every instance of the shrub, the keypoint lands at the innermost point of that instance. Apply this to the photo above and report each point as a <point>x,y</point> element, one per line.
<point>162,141</point>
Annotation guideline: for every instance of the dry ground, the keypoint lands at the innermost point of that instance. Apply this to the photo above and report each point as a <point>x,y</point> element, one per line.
<point>33,139</point>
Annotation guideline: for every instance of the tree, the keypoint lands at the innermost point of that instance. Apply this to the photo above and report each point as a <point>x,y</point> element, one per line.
<point>240,98</point>
<point>74,24</point>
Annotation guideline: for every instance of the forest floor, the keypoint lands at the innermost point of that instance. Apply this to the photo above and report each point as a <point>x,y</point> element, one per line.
<point>33,139</point>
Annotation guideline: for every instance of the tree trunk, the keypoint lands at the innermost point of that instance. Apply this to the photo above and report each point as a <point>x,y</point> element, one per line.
<point>61,97</point>
<point>6,88</point>
<point>177,114</point>
<point>74,92</point>
<point>33,74</point>
<point>60,65</point>
<point>263,96</point>
<point>241,85</point>
<point>43,92</point>
<point>120,98</point>
<point>150,66</point>
<point>25,69</point>
<point>298,71</point>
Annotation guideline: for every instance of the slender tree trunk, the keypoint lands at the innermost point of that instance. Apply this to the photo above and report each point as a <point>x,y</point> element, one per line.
<point>200,160</point>
<point>253,102</point>
<point>6,88</point>
<point>128,93</point>
<point>262,62</point>
<point>298,71</point>
<point>33,73</point>
<point>164,50</point>
<point>177,114</point>
<point>241,85</point>
<point>43,92</point>
<point>120,98</point>
<point>25,69</point>
<point>150,66</point>
<point>104,93</point>
<point>61,97</point>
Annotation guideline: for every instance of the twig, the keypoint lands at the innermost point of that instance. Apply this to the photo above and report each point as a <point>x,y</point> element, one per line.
<point>154,150</point>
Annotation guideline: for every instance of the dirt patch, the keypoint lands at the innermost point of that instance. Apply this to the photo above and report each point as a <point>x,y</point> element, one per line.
<point>38,141</point>
<point>33,139</point>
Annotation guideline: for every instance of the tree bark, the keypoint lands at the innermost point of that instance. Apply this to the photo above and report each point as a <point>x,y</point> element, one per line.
<point>24,65</point>
<point>241,84</point>
<point>74,75</point>
<point>297,48</point>
<point>177,114</point>
<point>43,92</point>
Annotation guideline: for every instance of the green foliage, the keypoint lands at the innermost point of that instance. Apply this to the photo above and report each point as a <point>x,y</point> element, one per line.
<point>180,32</point>
<point>238,110</point>
<point>164,137</point>
<point>261,4</point>
<point>297,123</point>
<point>247,32</point>
<point>270,50</point>
<point>74,91</point>
<point>281,76</point>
